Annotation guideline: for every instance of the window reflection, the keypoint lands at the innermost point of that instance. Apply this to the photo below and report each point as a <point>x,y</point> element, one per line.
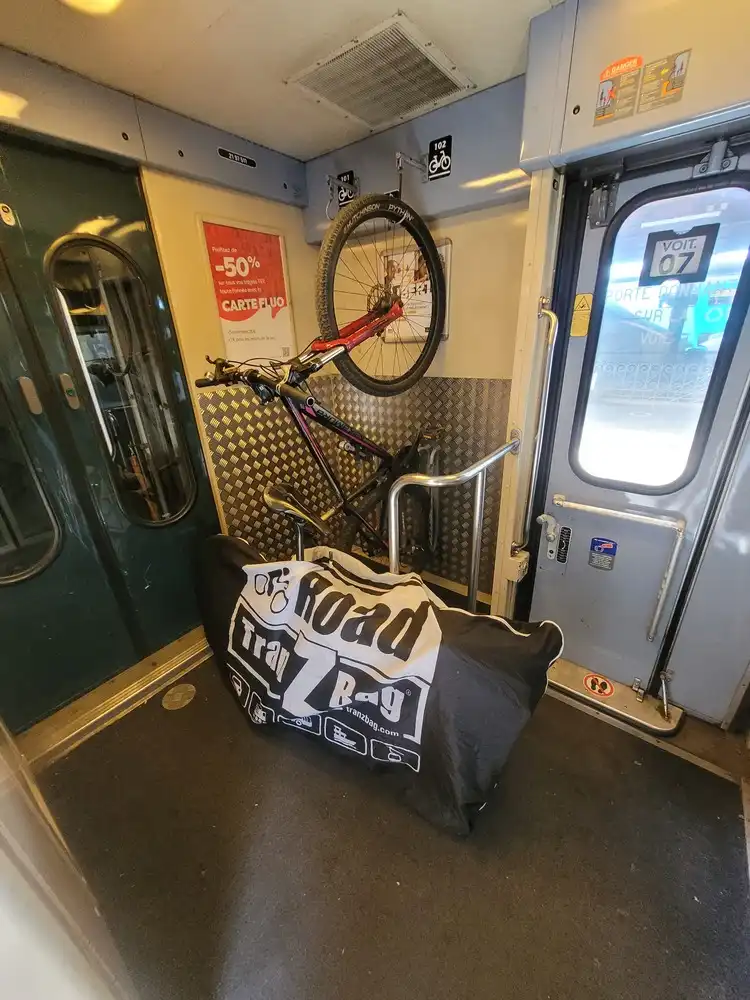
<point>658,344</point>
<point>28,533</point>
<point>105,307</point>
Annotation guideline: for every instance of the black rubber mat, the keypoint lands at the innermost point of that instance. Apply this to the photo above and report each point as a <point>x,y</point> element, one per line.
<point>237,864</point>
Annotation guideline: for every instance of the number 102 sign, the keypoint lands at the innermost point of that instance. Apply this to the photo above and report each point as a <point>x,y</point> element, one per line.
<point>684,257</point>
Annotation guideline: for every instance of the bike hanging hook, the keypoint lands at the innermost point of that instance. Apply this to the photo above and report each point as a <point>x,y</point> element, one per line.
<point>419,164</point>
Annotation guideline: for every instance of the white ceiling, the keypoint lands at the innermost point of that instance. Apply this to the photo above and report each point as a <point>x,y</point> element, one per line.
<point>224,61</point>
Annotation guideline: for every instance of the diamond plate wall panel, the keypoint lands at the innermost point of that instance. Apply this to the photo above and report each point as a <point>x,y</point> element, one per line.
<point>470,418</point>
<point>252,444</point>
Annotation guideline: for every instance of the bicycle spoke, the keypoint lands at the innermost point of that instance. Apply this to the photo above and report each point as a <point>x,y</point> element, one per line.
<point>352,276</point>
<point>366,354</point>
<point>372,272</point>
<point>407,349</point>
<point>365,284</point>
<point>368,351</point>
<point>419,331</point>
<point>396,346</point>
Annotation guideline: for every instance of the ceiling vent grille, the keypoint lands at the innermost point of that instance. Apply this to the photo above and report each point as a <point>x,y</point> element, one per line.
<point>385,75</point>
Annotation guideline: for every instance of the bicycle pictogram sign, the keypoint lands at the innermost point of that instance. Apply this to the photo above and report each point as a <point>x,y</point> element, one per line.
<point>440,158</point>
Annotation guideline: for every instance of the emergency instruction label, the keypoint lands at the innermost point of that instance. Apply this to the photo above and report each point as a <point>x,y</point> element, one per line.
<point>664,81</point>
<point>618,90</point>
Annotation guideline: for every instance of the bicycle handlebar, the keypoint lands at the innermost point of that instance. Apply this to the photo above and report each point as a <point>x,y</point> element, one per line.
<point>222,376</point>
<point>259,381</point>
<point>230,378</point>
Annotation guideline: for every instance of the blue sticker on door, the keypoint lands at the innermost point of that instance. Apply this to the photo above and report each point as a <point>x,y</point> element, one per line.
<point>602,552</point>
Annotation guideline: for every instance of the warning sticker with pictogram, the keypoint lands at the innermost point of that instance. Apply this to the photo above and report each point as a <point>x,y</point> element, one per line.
<point>664,81</point>
<point>618,89</point>
<point>579,326</point>
<point>598,685</point>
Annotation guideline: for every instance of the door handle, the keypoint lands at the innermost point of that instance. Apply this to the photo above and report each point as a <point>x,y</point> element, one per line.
<point>30,395</point>
<point>550,526</point>
<point>69,391</point>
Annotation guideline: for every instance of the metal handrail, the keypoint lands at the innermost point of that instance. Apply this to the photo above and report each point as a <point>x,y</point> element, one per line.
<point>544,312</point>
<point>476,471</point>
<point>676,524</point>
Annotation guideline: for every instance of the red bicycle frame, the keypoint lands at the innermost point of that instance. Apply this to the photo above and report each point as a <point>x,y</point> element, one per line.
<point>360,329</point>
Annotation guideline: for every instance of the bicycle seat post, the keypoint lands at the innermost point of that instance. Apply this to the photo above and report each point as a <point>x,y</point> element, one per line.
<point>300,532</point>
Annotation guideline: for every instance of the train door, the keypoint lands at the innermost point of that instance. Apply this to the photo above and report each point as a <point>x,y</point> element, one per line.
<point>656,366</point>
<point>103,491</point>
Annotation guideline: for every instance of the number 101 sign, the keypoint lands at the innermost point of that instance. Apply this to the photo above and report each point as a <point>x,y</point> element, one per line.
<point>684,257</point>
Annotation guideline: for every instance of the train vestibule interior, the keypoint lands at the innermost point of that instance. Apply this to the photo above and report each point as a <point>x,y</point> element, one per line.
<point>374,500</point>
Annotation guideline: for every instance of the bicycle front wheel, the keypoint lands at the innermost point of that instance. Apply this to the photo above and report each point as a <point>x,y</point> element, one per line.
<point>377,255</point>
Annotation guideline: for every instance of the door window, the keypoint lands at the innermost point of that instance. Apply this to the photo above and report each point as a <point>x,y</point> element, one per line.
<point>106,315</point>
<point>29,534</point>
<point>664,327</point>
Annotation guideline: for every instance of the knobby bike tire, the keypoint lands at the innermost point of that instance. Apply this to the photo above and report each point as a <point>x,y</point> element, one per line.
<point>363,209</point>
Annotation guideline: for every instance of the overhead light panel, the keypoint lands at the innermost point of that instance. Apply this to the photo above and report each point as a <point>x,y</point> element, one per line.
<point>11,105</point>
<point>97,8</point>
<point>509,177</point>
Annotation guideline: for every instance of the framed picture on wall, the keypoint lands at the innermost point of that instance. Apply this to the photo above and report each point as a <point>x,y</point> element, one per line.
<point>408,273</point>
<point>249,275</point>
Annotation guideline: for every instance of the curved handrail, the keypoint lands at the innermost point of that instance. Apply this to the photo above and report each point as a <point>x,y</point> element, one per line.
<point>476,471</point>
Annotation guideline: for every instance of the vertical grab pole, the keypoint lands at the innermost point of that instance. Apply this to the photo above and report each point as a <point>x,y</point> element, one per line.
<point>394,546</point>
<point>476,539</point>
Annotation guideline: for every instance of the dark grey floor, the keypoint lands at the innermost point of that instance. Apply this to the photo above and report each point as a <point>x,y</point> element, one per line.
<point>234,864</point>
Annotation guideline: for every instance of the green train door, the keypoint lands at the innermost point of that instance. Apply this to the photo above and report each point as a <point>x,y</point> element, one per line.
<point>104,495</point>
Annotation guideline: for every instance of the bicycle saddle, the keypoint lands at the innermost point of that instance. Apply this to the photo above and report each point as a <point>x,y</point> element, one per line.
<point>283,500</point>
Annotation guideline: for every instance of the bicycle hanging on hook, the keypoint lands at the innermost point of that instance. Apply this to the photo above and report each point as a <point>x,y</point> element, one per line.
<point>375,251</point>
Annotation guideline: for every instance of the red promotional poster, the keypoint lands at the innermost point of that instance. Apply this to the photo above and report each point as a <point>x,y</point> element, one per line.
<point>251,292</point>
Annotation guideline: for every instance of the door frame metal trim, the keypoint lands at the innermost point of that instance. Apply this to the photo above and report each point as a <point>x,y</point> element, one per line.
<point>574,213</point>
<point>623,703</point>
<point>676,524</point>
<point>63,731</point>
<point>716,494</point>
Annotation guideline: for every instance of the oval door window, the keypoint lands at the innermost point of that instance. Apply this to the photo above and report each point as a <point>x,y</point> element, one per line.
<point>664,326</point>
<point>29,533</point>
<point>107,317</point>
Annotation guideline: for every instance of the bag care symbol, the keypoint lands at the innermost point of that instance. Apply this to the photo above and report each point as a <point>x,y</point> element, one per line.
<point>274,585</point>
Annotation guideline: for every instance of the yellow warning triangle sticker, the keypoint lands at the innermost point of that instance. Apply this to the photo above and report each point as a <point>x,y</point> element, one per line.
<point>581,314</point>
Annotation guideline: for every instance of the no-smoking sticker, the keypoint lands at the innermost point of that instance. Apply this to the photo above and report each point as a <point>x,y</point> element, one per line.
<point>597,685</point>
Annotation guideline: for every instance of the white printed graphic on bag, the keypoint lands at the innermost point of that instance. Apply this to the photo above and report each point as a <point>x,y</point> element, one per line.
<point>319,638</point>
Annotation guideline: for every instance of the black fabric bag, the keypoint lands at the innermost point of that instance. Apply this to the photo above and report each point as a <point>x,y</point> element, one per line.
<point>378,668</point>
